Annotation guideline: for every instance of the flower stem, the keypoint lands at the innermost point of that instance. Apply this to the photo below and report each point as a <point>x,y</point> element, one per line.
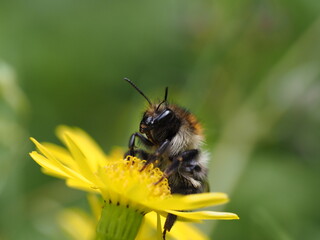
<point>118,222</point>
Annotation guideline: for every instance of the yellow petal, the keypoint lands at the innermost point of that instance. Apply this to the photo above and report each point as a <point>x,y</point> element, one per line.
<point>189,202</point>
<point>77,224</point>
<point>180,231</point>
<point>61,154</point>
<point>50,162</point>
<point>95,205</point>
<point>52,167</point>
<point>78,184</point>
<point>205,215</point>
<point>185,231</point>
<point>53,173</point>
<point>88,146</point>
<point>82,162</point>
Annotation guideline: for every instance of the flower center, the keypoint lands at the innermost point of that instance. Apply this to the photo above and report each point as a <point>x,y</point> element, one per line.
<point>126,178</point>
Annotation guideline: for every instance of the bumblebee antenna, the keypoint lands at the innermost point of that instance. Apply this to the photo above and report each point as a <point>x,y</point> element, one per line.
<point>165,99</point>
<point>166,94</point>
<point>139,91</point>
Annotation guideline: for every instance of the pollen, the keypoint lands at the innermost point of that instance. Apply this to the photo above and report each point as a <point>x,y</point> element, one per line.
<point>128,179</point>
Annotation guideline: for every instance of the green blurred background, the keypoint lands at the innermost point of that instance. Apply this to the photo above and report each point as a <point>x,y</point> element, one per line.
<point>248,69</point>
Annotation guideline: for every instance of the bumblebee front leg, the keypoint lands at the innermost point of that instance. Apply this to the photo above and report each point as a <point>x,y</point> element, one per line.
<point>157,154</point>
<point>144,140</point>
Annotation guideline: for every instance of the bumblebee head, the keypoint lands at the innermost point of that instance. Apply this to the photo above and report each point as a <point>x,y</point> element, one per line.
<point>156,115</point>
<point>156,118</point>
<point>159,123</point>
<point>159,120</point>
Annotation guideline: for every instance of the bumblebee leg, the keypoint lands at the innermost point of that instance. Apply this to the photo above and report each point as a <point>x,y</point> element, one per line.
<point>170,220</point>
<point>153,157</point>
<point>132,140</point>
<point>143,155</point>
<point>186,156</point>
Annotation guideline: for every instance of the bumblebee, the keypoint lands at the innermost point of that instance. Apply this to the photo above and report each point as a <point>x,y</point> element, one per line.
<point>172,137</point>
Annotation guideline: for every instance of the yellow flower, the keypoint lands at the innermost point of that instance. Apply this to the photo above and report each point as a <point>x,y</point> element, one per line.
<point>127,191</point>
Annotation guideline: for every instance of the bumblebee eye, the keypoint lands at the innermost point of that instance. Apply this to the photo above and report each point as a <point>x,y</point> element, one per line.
<point>148,120</point>
<point>163,117</point>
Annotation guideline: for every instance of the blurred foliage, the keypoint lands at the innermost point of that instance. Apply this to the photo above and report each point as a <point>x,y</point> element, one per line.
<point>248,69</point>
